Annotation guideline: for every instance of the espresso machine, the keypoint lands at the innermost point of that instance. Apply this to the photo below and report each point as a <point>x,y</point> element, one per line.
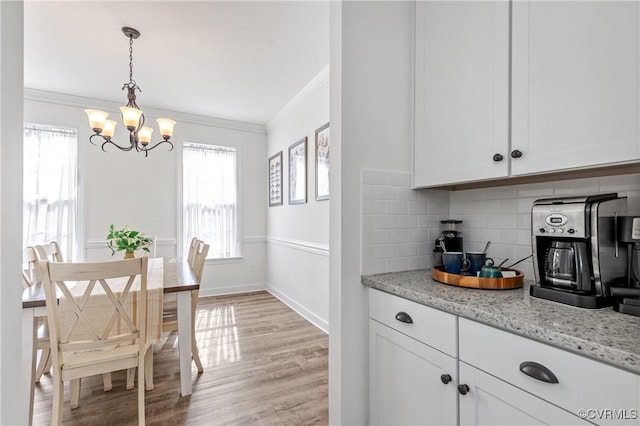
<point>451,237</point>
<point>577,256</point>
<point>627,297</point>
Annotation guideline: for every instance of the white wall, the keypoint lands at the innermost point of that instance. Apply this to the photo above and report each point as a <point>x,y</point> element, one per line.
<point>298,234</point>
<point>11,72</point>
<point>371,56</point>
<point>125,188</point>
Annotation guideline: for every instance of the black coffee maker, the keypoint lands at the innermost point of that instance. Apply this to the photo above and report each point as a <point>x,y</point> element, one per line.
<point>627,297</point>
<point>451,237</point>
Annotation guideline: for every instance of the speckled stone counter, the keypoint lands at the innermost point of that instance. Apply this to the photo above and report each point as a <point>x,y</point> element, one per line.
<point>602,334</point>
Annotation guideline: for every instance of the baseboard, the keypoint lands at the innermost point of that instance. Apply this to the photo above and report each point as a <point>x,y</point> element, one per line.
<point>221,291</point>
<point>301,310</point>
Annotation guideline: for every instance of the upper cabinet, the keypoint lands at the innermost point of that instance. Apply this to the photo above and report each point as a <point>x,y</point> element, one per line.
<point>462,91</point>
<point>507,89</point>
<point>575,84</point>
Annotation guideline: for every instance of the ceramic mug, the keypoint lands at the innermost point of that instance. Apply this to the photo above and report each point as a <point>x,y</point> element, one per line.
<point>477,260</point>
<point>455,262</point>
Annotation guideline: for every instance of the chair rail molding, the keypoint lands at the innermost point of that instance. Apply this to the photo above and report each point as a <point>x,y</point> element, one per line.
<point>310,247</point>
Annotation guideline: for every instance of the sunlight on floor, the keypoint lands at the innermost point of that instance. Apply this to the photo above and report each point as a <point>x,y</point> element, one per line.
<point>219,325</point>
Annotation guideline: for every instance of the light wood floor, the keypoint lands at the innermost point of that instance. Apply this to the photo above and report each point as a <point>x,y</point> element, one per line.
<point>263,365</point>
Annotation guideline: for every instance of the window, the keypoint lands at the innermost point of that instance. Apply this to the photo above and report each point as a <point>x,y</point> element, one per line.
<point>210,198</point>
<point>50,188</point>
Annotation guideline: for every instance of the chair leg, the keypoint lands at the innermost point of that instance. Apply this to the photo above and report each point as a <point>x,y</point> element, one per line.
<point>148,368</point>
<point>44,364</point>
<point>106,380</point>
<point>194,346</point>
<point>131,374</point>
<point>58,399</point>
<point>74,400</point>
<point>141,404</point>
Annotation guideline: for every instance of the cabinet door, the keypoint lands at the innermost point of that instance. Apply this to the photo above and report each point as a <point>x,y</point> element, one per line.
<point>462,66</point>
<point>405,386</point>
<point>491,401</point>
<point>575,84</point>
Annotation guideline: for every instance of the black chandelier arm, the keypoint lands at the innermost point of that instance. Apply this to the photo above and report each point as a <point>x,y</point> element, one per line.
<point>107,141</point>
<point>146,150</point>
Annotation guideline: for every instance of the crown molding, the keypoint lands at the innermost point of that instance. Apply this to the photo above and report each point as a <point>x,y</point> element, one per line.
<point>84,102</point>
<point>313,86</point>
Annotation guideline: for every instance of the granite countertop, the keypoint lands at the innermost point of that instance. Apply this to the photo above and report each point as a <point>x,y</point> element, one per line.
<point>602,334</point>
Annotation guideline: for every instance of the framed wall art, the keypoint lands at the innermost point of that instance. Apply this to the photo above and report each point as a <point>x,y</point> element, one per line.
<point>275,180</point>
<point>298,172</point>
<point>322,163</point>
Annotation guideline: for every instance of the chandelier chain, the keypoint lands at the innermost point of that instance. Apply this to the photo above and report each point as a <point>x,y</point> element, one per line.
<point>131,60</point>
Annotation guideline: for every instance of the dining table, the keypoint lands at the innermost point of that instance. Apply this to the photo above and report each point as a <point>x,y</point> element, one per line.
<point>178,282</point>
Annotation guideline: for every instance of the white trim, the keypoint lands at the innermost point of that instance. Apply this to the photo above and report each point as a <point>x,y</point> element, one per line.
<point>321,323</point>
<point>84,102</point>
<point>315,84</point>
<point>320,249</point>
<point>100,244</point>
<point>235,289</point>
<point>254,240</point>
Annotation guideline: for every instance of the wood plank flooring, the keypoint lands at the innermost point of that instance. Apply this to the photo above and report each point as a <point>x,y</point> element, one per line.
<point>263,365</point>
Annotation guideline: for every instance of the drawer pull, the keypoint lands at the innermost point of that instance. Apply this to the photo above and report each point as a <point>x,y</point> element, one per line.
<point>404,317</point>
<point>463,389</point>
<point>445,378</point>
<point>538,372</point>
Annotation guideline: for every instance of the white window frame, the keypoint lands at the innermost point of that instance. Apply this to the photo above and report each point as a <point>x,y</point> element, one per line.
<point>182,244</point>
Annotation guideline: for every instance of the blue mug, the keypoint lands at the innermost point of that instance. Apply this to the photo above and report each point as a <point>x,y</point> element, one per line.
<point>455,262</point>
<point>477,259</point>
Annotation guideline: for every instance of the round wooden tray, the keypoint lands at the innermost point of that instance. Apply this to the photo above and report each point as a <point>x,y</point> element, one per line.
<point>438,274</point>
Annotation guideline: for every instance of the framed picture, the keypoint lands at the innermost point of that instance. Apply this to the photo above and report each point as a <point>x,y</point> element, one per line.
<point>298,172</point>
<point>322,163</point>
<point>275,180</point>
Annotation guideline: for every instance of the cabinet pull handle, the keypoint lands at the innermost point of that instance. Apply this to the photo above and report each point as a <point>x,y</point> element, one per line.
<point>404,317</point>
<point>538,372</point>
<point>463,389</point>
<point>497,157</point>
<point>445,378</point>
<point>516,153</point>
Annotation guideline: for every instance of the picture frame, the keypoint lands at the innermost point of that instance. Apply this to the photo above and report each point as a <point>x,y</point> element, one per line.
<point>322,162</point>
<point>298,172</point>
<point>275,180</point>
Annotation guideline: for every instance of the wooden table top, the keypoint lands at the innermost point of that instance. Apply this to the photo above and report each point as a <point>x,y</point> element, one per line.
<point>177,276</point>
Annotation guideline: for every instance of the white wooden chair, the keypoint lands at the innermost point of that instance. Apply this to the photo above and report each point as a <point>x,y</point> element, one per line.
<point>197,255</point>
<point>117,343</point>
<point>31,276</point>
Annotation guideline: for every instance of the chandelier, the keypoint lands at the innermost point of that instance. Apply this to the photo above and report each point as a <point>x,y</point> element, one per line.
<point>132,116</point>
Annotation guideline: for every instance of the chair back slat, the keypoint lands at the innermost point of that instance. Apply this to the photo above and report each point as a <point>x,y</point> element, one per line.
<point>199,259</point>
<point>193,250</point>
<point>30,274</point>
<point>97,309</point>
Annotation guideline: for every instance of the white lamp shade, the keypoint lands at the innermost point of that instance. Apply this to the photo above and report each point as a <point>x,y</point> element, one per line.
<point>130,116</point>
<point>109,128</point>
<point>166,126</point>
<point>144,135</point>
<point>97,118</point>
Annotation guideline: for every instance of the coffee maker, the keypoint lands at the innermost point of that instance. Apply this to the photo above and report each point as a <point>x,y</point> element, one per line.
<point>576,253</point>
<point>451,237</point>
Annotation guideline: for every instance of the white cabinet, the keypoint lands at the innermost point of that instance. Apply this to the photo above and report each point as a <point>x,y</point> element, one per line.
<point>410,381</point>
<point>575,84</point>
<point>490,401</point>
<point>512,379</point>
<point>462,83</point>
<point>561,92</point>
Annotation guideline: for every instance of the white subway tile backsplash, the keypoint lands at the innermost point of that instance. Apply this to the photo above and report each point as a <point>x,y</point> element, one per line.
<point>395,207</point>
<point>403,223</point>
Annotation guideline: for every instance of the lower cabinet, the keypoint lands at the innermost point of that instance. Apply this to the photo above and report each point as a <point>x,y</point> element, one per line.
<point>428,367</point>
<point>486,400</point>
<point>411,383</point>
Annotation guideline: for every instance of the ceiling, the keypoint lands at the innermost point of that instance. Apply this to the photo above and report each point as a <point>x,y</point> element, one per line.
<point>236,60</point>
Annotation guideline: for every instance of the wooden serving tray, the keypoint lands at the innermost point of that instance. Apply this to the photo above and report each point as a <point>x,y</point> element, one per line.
<point>438,274</point>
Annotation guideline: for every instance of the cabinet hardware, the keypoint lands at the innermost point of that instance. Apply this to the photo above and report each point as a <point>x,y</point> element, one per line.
<point>463,389</point>
<point>445,378</point>
<point>404,317</point>
<point>538,372</point>
<point>497,157</point>
<point>516,153</point>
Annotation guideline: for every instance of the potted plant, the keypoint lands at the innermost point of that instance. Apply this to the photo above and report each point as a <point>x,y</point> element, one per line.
<point>128,240</point>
